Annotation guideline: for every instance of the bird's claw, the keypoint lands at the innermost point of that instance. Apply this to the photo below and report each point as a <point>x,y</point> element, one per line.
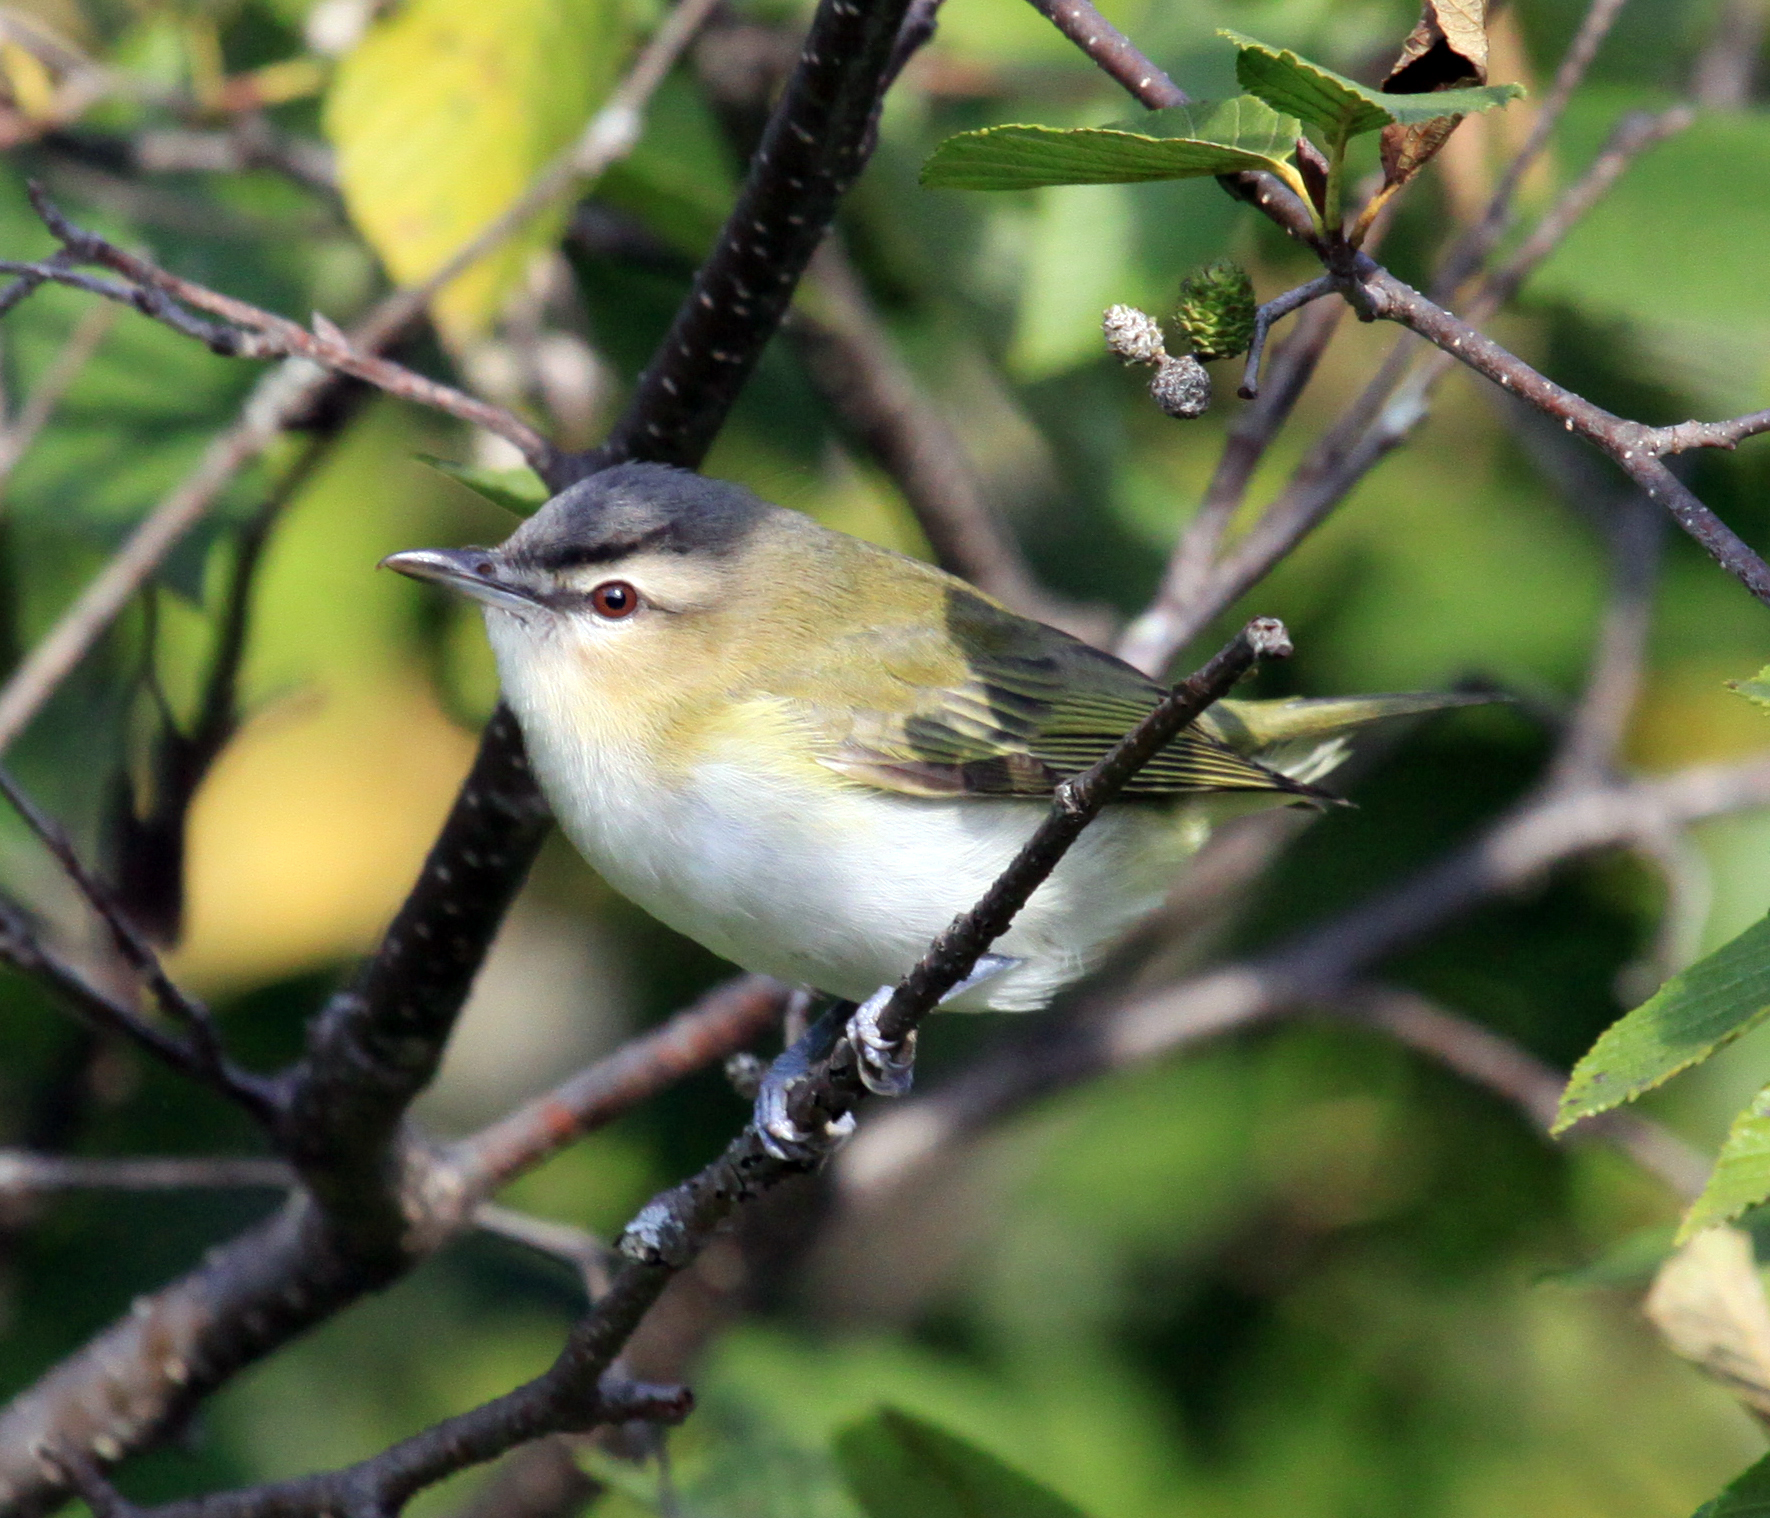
<point>887,1067</point>
<point>776,1130</point>
<point>785,1140</point>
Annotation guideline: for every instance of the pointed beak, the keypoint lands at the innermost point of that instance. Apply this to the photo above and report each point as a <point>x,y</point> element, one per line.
<point>480,573</point>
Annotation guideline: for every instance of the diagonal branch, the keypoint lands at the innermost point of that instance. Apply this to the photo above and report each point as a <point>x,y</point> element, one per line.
<point>246,331</point>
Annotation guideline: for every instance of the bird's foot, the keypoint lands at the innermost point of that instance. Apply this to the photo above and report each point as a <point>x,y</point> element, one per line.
<point>775,1128</point>
<point>888,1067</point>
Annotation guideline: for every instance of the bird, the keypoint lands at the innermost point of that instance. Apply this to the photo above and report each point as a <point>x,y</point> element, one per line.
<point>810,754</point>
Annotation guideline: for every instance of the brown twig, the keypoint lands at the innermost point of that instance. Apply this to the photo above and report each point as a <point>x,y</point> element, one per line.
<point>1078,802</point>
<point>22,948</point>
<point>1496,1064</point>
<point>1157,635</point>
<point>1112,51</point>
<point>205,1046</point>
<point>83,342</point>
<point>253,333</point>
<point>728,1018</point>
<point>1319,966</point>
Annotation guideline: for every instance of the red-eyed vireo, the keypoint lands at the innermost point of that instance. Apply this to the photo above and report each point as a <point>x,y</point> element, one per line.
<point>810,754</point>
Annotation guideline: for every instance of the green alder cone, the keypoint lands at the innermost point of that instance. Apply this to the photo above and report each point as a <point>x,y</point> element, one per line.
<point>1216,310</point>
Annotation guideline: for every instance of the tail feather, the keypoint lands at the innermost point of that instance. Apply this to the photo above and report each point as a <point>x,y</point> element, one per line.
<point>1304,739</point>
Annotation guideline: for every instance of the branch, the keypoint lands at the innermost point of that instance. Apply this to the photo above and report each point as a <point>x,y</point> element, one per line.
<point>246,331</point>
<point>1471,250</point>
<point>25,1174</point>
<point>1077,803</point>
<point>144,1376</point>
<point>1172,620</point>
<point>83,342</point>
<point>728,1018</point>
<point>1118,57</point>
<point>1276,310</point>
<point>21,948</point>
<point>1391,405</point>
<point>1635,447</point>
<point>1112,51</point>
<point>286,393</point>
<point>815,144</point>
<point>1485,1059</point>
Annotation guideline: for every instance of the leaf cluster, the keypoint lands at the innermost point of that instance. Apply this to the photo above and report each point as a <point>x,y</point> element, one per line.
<point>1256,132</point>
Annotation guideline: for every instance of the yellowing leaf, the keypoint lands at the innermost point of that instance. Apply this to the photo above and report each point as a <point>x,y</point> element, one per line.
<point>442,116</point>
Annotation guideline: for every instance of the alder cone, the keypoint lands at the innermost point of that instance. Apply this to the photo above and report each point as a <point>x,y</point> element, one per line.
<point>1216,310</point>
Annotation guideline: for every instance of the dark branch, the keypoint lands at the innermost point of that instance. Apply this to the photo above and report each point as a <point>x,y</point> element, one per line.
<point>815,145</point>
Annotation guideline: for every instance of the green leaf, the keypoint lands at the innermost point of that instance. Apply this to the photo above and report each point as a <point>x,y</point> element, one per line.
<point>1741,1177</point>
<point>1181,142</point>
<point>1685,1021</point>
<point>1340,107</point>
<point>898,1466</point>
<point>1746,1496</point>
<point>1756,689</point>
<point>517,490</point>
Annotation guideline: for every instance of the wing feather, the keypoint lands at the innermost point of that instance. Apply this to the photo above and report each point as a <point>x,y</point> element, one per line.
<point>1024,708</point>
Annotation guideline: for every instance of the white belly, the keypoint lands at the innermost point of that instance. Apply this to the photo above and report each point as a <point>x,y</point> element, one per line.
<point>843,889</point>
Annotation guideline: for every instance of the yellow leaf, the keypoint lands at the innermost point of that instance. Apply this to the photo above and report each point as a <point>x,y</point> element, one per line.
<point>33,91</point>
<point>445,112</point>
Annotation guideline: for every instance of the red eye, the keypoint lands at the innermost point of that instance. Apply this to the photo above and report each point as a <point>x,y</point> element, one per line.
<point>614,599</point>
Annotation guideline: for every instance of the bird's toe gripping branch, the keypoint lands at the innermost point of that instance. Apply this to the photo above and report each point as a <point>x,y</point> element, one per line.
<point>776,1127</point>
<point>888,1067</point>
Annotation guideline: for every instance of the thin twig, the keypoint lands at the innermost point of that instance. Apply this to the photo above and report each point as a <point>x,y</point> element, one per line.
<point>286,392</point>
<point>23,1173</point>
<point>1274,310</point>
<point>728,1018</point>
<point>158,293</point>
<point>206,1046</point>
<point>1157,635</point>
<point>83,342</point>
<point>583,1251</point>
<point>1486,1059</point>
<point>1318,966</point>
<point>1112,51</point>
<point>1078,802</point>
<point>22,948</point>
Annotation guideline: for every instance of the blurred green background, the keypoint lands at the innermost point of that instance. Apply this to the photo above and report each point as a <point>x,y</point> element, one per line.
<point>1297,1273</point>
